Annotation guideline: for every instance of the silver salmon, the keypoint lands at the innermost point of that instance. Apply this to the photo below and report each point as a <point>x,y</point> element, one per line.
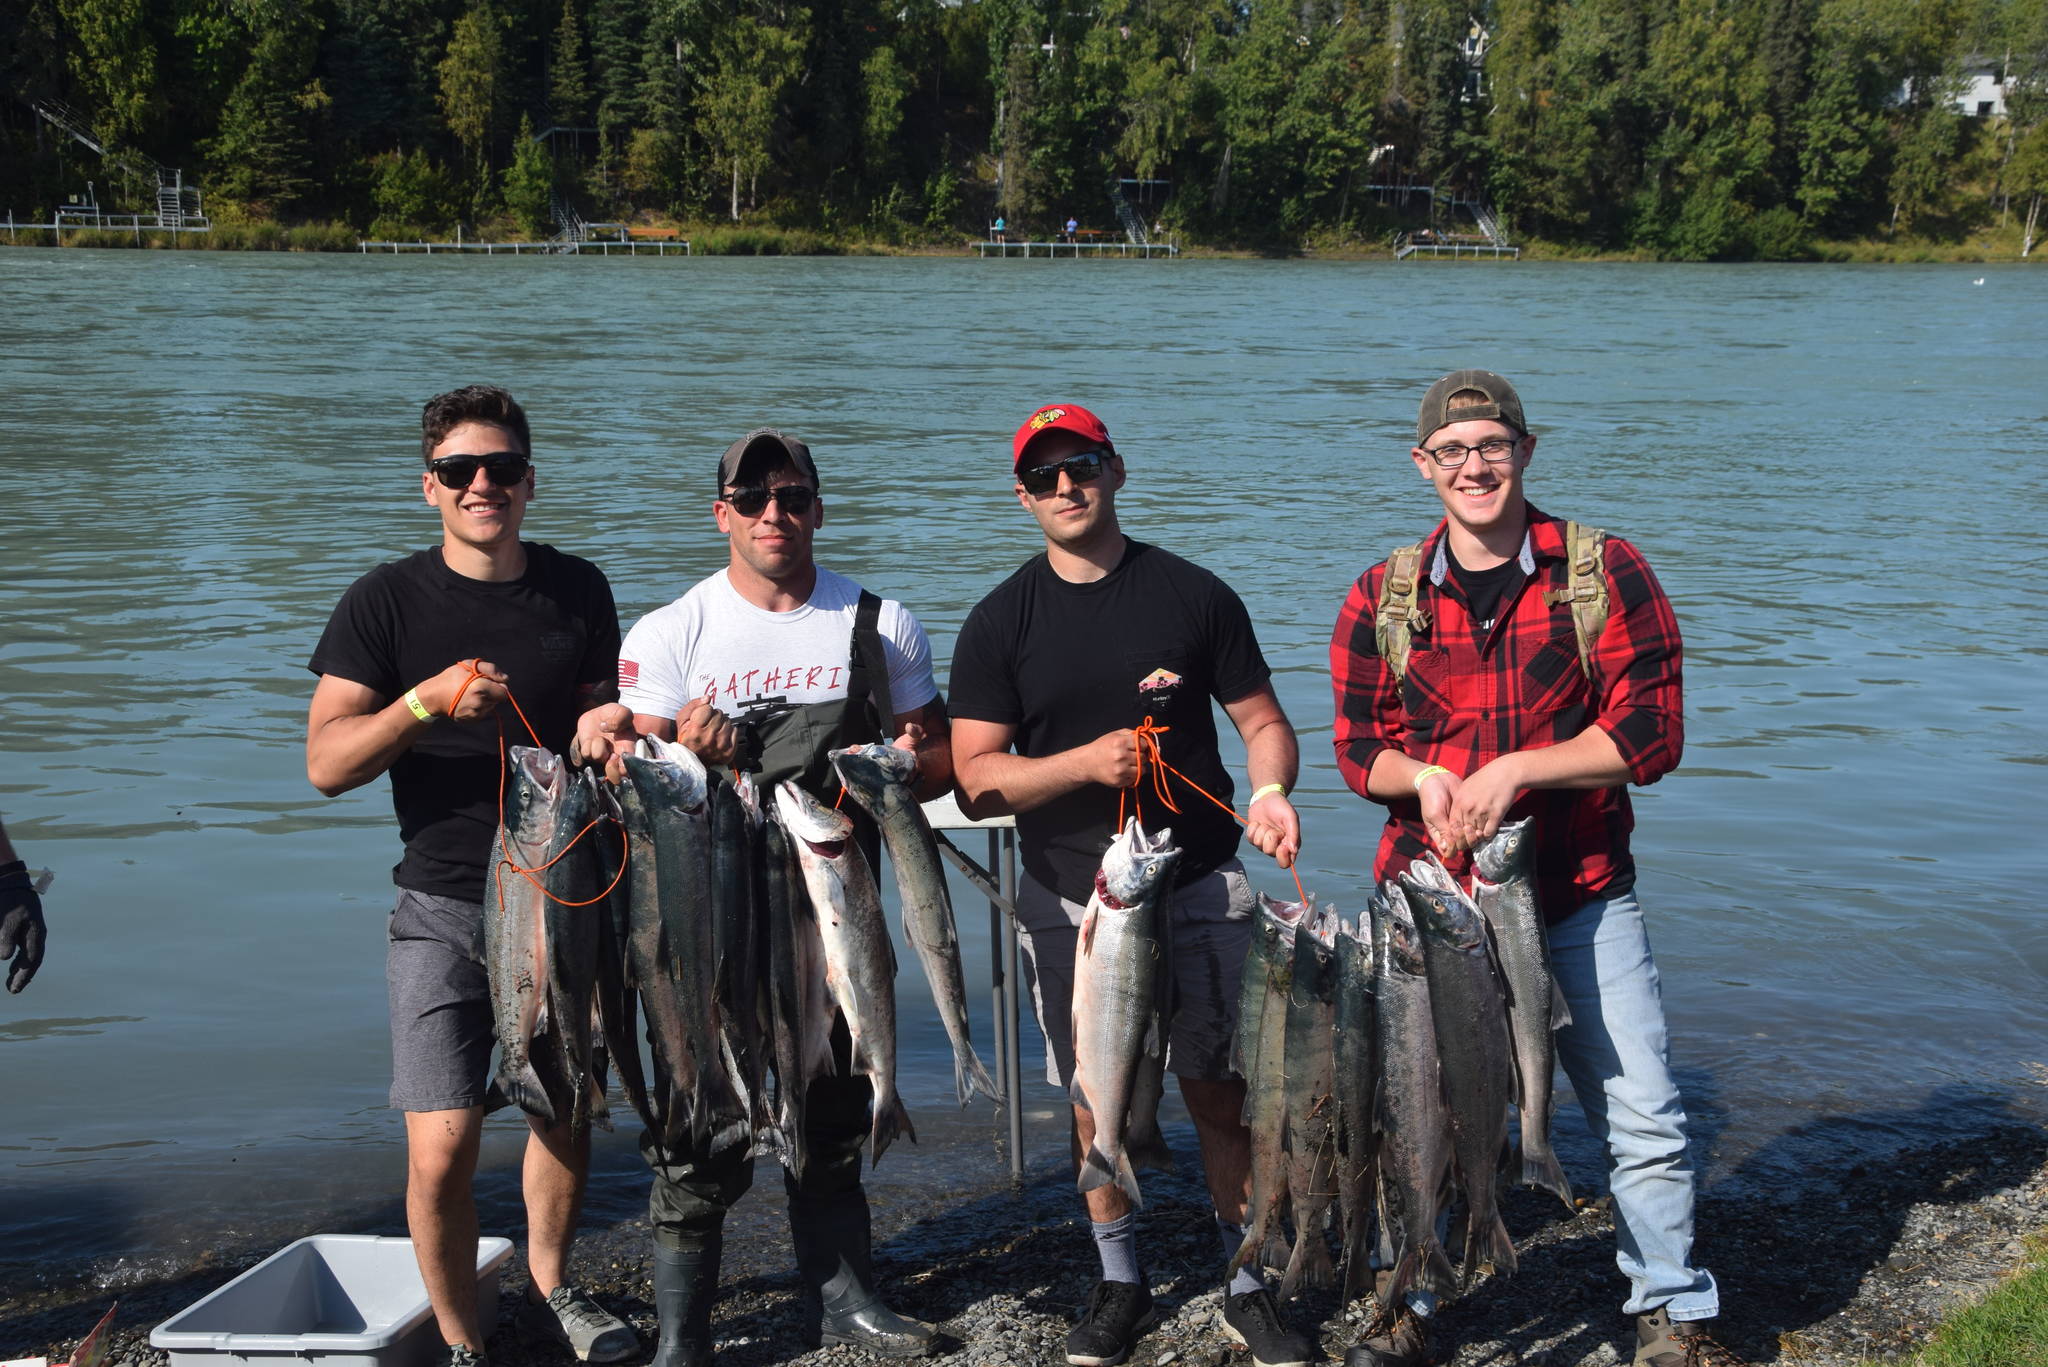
<point>572,908</point>
<point>1115,1007</point>
<point>1506,894</point>
<point>860,962</point>
<point>670,946</point>
<point>1311,1118</point>
<point>1414,1129</point>
<point>1262,1057</point>
<point>1355,1084</point>
<point>1470,1007</point>
<point>515,923</point>
<point>879,778</point>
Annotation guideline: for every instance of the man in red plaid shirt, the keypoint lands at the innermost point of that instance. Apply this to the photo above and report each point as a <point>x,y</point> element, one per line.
<point>1495,716</point>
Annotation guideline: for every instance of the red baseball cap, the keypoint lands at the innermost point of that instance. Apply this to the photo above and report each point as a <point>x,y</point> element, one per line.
<point>1064,417</point>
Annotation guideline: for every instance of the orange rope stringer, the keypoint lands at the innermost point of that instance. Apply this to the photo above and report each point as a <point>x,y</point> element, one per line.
<point>504,840</point>
<point>1145,740</point>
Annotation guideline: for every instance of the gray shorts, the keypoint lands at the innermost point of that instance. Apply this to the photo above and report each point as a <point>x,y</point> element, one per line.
<point>441,1032</point>
<point>1211,925</point>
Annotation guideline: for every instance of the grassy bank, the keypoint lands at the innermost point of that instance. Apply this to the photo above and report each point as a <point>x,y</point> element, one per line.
<point>2007,1328</point>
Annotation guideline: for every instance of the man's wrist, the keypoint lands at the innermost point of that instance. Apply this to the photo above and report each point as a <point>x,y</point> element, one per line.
<point>14,875</point>
<point>1267,791</point>
<point>415,705</point>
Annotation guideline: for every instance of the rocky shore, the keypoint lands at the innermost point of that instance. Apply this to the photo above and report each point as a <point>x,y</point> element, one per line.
<point>1856,1263</point>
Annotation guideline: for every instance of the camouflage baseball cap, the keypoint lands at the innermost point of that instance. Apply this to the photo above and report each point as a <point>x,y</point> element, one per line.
<point>1503,402</point>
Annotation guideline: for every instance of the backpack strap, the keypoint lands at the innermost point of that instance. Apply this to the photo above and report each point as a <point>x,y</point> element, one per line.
<point>1585,587</point>
<point>868,673</point>
<point>1397,617</point>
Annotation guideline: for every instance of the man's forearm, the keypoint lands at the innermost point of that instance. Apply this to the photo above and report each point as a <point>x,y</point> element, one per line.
<point>1272,754</point>
<point>348,752</point>
<point>1588,760</point>
<point>999,783</point>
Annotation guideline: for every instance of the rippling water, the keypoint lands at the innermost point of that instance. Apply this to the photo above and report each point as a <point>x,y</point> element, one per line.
<point>1836,472</point>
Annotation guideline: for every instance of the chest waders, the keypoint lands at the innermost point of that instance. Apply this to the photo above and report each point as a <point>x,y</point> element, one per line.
<point>828,1211</point>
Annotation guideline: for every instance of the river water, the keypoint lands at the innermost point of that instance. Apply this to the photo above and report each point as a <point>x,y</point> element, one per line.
<point>1836,472</point>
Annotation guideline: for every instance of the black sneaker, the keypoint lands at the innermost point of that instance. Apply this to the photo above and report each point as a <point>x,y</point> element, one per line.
<point>1252,1320</point>
<point>1117,1313</point>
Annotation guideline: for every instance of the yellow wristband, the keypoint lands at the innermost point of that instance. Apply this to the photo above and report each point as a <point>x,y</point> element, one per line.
<point>1427,774</point>
<point>1279,788</point>
<point>419,709</point>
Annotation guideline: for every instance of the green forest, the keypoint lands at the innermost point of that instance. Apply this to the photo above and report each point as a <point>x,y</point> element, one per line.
<point>1677,129</point>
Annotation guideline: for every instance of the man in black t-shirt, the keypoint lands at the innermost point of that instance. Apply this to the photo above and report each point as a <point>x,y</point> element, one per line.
<point>414,665</point>
<point>1053,673</point>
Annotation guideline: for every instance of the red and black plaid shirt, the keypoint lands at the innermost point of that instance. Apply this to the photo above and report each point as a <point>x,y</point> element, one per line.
<point>1469,697</point>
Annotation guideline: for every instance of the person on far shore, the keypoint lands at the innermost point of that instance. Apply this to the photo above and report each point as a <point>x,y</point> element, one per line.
<point>416,661</point>
<point>1044,726</point>
<point>768,666</point>
<point>21,918</point>
<point>1000,229</point>
<point>1513,665</point>
<point>1073,226</point>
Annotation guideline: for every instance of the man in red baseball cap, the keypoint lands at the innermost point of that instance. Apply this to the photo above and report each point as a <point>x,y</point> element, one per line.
<point>1054,673</point>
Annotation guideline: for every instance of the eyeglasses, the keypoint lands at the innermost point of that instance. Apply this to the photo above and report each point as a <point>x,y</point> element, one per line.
<point>1082,468</point>
<point>502,468</point>
<point>794,499</point>
<point>1494,451</point>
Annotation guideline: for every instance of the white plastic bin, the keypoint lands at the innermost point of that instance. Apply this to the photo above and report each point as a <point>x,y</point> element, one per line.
<point>335,1300</point>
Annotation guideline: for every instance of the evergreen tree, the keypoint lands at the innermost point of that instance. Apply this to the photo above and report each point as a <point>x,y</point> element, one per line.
<point>568,78</point>
<point>262,155</point>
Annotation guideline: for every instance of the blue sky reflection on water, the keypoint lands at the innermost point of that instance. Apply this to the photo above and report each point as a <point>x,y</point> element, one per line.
<point>1834,470</point>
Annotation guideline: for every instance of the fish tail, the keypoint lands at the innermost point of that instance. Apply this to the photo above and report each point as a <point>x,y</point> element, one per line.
<point>1560,1009</point>
<point>1542,1171</point>
<point>969,1076</point>
<point>891,1121</point>
<point>526,1091</point>
<point>1308,1264</point>
<point>1487,1245</point>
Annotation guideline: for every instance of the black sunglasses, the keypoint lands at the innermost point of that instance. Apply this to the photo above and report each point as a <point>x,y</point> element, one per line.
<point>794,499</point>
<point>502,468</point>
<point>1082,468</point>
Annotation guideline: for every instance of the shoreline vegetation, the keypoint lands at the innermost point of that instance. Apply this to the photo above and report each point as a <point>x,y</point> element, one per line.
<point>1987,247</point>
<point>1609,129</point>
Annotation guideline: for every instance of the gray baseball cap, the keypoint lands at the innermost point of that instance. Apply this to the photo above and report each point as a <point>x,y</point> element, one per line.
<point>1503,402</point>
<point>778,446</point>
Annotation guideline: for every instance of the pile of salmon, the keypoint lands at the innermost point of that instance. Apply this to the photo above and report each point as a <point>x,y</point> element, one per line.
<point>1382,1057</point>
<point>739,928</point>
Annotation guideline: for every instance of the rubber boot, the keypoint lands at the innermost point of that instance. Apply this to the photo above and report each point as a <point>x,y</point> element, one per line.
<point>831,1235</point>
<point>685,1285</point>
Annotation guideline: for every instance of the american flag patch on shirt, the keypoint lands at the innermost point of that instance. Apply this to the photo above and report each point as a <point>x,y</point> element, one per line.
<point>629,673</point>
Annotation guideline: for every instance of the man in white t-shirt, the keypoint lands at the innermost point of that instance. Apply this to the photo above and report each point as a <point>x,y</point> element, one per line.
<point>767,666</point>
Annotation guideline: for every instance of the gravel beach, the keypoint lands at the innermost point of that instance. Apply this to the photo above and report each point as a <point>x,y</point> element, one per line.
<point>1855,1264</point>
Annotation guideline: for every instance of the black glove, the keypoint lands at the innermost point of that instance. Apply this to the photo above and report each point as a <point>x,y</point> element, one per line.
<point>21,924</point>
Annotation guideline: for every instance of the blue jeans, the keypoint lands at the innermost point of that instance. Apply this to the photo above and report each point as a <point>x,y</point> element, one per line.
<point>1616,1054</point>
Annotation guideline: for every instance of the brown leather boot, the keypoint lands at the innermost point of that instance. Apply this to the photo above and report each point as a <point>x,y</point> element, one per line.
<point>1403,1343</point>
<point>1663,1342</point>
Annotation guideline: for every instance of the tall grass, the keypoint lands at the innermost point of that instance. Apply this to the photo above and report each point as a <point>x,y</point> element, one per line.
<point>2007,1328</point>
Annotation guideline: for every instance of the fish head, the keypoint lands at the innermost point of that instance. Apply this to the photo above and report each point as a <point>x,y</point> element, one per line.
<point>536,786</point>
<point>1447,915</point>
<point>680,769</point>
<point>811,821</point>
<point>1134,864</point>
<point>1395,937</point>
<point>1505,853</point>
<point>867,770</point>
<point>750,798</point>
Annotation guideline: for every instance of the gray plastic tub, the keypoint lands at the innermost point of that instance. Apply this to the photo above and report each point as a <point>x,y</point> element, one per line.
<point>335,1300</point>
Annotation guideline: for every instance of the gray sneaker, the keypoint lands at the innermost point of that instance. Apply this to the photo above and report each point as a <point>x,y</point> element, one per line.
<point>460,1355</point>
<point>573,1320</point>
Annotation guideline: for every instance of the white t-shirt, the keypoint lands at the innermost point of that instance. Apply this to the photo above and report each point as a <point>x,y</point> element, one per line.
<point>712,641</point>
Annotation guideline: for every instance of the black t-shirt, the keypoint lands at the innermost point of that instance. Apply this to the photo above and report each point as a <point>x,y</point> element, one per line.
<point>1066,663</point>
<point>551,630</point>
<point>1482,589</point>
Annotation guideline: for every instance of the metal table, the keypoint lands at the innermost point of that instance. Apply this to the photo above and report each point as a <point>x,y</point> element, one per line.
<point>996,881</point>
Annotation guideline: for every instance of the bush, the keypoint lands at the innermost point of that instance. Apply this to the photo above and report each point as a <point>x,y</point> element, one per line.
<point>762,242</point>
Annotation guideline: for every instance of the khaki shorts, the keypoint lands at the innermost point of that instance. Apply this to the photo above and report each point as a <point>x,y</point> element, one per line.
<point>1211,925</point>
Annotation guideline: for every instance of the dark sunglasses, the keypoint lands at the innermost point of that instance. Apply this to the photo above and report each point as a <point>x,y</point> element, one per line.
<point>794,499</point>
<point>502,468</point>
<point>1081,468</point>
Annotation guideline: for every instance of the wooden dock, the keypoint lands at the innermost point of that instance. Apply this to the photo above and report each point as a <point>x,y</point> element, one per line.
<point>633,247</point>
<point>1076,249</point>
